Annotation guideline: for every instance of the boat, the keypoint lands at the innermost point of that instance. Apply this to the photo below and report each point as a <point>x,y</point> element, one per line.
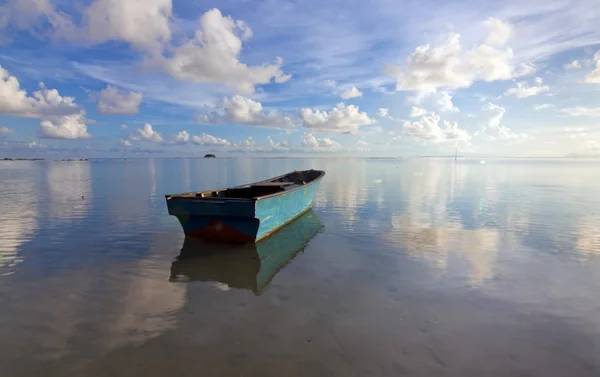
<point>246,213</point>
<point>244,266</point>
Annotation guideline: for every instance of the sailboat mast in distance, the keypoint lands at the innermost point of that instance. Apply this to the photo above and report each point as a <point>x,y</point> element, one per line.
<point>456,152</point>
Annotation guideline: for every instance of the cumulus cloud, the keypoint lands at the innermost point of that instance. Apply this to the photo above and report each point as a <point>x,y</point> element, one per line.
<point>244,110</point>
<point>281,146</point>
<point>342,118</point>
<point>491,128</point>
<point>523,90</point>
<point>247,144</point>
<point>594,76</point>
<point>330,83</point>
<point>581,111</point>
<point>428,129</point>
<point>26,14</point>
<point>144,24</point>
<point>417,112</point>
<point>149,134</point>
<point>575,64</point>
<point>383,112</point>
<point>543,106</point>
<point>311,142</point>
<point>111,100</point>
<point>593,145</point>
<point>209,140</point>
<point>125,143</point>
<point>64,127</point>
<point>437,101</point>
<point>44,102</point>
<point>182,137</point>
<point>498,32</point>
<point>123,126</point>
<point>213,56</point>
<point>450,66</point>
<point>35,145</point>
<point>5,132</point>
<point>61,117</point>
<point>352,92</point>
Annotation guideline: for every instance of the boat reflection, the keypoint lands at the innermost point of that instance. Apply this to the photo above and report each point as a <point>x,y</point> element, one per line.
<point>244,266</point>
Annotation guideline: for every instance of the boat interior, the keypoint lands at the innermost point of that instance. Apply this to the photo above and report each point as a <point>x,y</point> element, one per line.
<point>284,183</point>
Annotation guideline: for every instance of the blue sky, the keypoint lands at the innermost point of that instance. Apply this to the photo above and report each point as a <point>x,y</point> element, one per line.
<point>166,78</point>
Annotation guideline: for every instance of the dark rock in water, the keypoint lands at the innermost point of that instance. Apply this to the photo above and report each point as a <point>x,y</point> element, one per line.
<point>209,155</point>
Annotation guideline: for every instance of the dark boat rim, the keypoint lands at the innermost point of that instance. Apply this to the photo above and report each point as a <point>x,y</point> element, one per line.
<point>317,179</point>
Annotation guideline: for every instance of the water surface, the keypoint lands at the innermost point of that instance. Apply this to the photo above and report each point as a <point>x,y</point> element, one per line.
<point>421,267</point>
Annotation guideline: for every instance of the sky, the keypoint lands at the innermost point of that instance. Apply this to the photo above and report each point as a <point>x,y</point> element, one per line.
<point>168,78</point>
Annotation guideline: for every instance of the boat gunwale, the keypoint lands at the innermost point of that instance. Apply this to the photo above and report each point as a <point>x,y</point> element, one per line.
<point>253,199</point>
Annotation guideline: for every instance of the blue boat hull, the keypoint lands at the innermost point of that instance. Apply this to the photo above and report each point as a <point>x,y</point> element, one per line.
<point>240,219</point>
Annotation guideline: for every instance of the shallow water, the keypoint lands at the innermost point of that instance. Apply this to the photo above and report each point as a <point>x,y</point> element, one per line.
<point>422,267</point>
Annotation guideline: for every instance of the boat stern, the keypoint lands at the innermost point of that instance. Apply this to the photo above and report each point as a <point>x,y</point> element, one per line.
<point>215,220</point>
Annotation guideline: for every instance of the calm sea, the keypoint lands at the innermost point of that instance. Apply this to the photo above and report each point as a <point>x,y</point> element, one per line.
<point>422,267</point>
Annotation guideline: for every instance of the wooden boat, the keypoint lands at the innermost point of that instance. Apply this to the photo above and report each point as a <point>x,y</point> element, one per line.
<point>246,213</point>
<point>244,266</point>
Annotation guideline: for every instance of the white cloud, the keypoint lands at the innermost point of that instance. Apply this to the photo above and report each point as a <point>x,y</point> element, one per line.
<point>543,106</point>
<point>327,143</point>
<point>311,142</point>
<point>594,76</point>
<point>428,129</point>
<point>523,90</point>
<point>149,134</point>
<point>417,112</point>
<point>575,64</point>
<point>498,32</point>
<point>341,118</point>
<point>213,57</point>
<point>243,110</point>
<point>280,145</point>
<point>437,101</point>
<point>111,100</point>
<point>5,132</point>
<point>352,92</point>
<point>26,14</point>
<point>61,117</point>
<point>383,112</point>
<point>65,127</point>
<point>330,83</point>
<point>209,140</point>
<point>125,143</point>
<point>35,145</point>
<point>450,66</point>
<point>574,132</point>
<point>428,67</point>
<point>45,102</point>
<point>123,126</point>
<point>182,137</point>
<point>581,111</point>
<point>492,116</point>
<point>248,144</point>
<point>144,24</point>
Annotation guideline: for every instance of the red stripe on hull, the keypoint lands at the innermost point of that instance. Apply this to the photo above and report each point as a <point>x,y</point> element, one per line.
<point>219,231</point>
